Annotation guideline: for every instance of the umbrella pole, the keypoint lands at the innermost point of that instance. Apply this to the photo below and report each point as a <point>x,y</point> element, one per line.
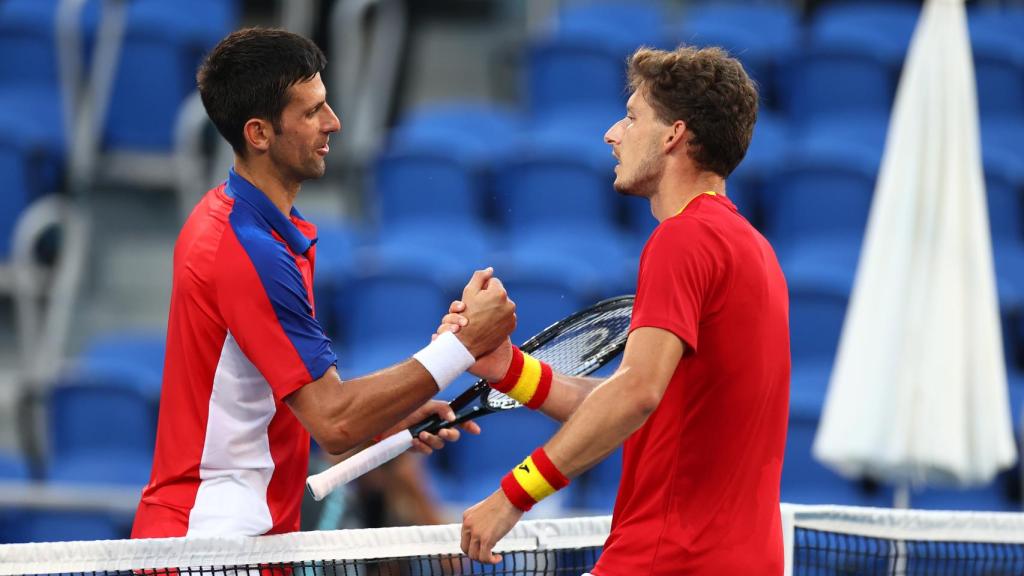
<point>901,496</point>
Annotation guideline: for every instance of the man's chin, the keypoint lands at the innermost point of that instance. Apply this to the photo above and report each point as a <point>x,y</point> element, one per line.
<point>317,171</point>
<point>623,188</point>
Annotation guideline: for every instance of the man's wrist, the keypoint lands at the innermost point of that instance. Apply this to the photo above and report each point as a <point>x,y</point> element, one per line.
<point>534,479</point>
<point>445,358</point>
<point>527,380</point>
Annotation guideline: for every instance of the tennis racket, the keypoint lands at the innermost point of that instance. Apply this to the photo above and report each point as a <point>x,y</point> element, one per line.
<point>576,345</point>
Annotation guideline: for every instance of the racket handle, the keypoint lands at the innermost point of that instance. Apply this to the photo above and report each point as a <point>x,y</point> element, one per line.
<point>432,424</point>
<point>322,484</point>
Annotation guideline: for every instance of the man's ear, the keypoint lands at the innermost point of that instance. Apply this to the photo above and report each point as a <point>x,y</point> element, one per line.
<point>258,133</point>
<point>675,136</point>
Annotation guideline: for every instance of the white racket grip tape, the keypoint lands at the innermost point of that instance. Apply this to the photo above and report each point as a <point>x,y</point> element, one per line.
<point>322,484</point>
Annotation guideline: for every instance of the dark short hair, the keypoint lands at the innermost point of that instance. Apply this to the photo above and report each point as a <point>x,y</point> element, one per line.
<point>709,91</point>
<point>247,75</point>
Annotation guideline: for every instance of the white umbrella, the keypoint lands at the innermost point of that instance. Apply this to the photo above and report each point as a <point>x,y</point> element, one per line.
<point>918,392</point>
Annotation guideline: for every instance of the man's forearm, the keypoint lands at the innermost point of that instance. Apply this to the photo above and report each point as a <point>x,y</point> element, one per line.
<point>342,415</point>
<point>567,393</point>
<point>604,420</point>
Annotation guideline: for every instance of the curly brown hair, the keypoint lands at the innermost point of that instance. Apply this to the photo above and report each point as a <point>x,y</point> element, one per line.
<point>709,91</point>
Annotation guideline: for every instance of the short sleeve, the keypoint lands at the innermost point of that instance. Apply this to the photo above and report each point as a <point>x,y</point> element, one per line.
<point>265,304</point>
<point>678,270</point>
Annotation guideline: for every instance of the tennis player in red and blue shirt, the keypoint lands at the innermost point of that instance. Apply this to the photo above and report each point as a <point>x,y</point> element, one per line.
<point>248,368</point>
<point>700,400</point>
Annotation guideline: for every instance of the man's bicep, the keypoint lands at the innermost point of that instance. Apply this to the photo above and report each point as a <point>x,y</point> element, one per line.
<point>652,356</point>
<point>313,403</point>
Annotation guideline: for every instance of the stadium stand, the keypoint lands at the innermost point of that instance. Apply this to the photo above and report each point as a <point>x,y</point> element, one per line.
<point>526,187</point>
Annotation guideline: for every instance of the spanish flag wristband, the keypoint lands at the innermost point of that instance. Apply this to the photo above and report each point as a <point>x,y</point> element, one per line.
<point>528,380</point>
<point>532,481</point>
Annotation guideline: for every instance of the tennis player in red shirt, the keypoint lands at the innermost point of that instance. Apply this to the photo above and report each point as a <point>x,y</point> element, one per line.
<point>701,397</point>
<point>250,374</point>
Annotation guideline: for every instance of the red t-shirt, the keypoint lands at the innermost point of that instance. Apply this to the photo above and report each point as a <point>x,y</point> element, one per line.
<point>699,492</point>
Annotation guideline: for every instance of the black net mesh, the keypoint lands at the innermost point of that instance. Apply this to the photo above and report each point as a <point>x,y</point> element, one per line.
<point>821,553</point>
<point>573,562</point>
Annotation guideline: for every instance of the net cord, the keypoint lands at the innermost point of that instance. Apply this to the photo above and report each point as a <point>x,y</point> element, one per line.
<point>530,535</point>
<point>914,525</point>
<point>157,553</point>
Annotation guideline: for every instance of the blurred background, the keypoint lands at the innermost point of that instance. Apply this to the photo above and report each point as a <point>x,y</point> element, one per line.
<point>472,136</point>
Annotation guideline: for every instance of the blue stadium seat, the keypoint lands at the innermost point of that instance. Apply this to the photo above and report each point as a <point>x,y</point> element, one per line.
<point>761,36</point>
<point>824,189</point>
<point>851,62</point>
<point>640,221</point>
<point>61,526</point>
<point>1003,133</point>
<point>820,276</point>
<point>542,297</point>
<point>889,24</point>
<point>487,124</point>
<point>479,462</point>
<point>819,281</point>
<point>432,185</point>
<point>136,355</point>
<point>385,315</point>
<point>999,72</point>
<point>998,60</point>
<point>598,261</point>
<point>28,29</point>
<point>171,37</point>
<point>559,177</point>
<point>625,24</point>
<point>438,159</point>
<point>447,251</point>
<point>429,179</point>
<point>12,469</point>
<point>336,261</point>
<point>581,62</point>
<point>807,481</point>
<point>31,116</point>
<point>102,428</point>
<point>567,73</point>
<point>1004,187</point>
<point>767,151</point>
<point>825,81</point>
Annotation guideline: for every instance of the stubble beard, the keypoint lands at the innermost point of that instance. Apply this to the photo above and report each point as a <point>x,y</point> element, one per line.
<point>645,181</point>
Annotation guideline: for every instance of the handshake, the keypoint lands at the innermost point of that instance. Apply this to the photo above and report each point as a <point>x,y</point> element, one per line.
<point>482,321</point>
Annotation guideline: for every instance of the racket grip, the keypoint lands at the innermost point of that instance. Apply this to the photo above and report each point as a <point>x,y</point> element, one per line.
<point>322,484</point>
<point>432,424</point>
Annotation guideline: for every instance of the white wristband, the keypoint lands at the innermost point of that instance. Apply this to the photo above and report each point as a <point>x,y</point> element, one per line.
<point>445,358</point>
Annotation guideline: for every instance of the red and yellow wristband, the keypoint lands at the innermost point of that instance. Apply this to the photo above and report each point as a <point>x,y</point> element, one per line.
<point>527,381</point>
<point>533,480</point>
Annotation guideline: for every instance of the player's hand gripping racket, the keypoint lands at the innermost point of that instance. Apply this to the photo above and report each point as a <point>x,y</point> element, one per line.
<point>576,345</point>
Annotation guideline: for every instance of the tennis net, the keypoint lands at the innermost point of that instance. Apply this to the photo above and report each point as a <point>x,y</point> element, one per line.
<point>820,540</point>
<point>826,540</point>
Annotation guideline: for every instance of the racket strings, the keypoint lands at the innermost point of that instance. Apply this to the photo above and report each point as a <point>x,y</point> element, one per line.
<point>579,348</point>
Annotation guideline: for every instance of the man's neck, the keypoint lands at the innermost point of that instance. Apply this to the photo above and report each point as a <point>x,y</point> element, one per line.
<point>677,190</point>
<point>270,182</point>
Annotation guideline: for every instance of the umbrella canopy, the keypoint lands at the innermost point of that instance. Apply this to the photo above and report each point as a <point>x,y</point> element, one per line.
<point>918,394</point>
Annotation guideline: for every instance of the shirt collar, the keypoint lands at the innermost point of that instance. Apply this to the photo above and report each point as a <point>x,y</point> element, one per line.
<point>241,188</point>
<point>709,193</point>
